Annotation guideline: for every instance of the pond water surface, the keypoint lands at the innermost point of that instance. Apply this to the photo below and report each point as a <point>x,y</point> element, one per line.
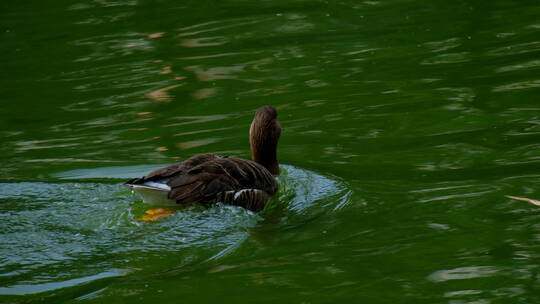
<point>405,124</point>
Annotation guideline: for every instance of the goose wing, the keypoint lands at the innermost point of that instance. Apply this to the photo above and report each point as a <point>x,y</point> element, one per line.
<point>181,167</point>
<point>211,178</point>
<point>230,180</point>
<point>163,175</point>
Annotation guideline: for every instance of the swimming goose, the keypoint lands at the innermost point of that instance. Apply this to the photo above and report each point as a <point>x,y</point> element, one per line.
<point>212,178</point>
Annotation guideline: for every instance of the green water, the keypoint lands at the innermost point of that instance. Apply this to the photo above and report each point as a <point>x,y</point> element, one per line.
<point>405,124</point>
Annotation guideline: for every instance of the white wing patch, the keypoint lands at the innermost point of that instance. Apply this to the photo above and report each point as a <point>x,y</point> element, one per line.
<point>157,185</point>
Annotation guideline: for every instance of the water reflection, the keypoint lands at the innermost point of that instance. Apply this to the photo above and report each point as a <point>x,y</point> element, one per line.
<point>203,42</point>
<point>521,66</point>
<point>516,49</point>
<point>447,58</point>
<point>464,273</point>
<point>216,25</point>
<point>198,143</point>
<point>111,46</point>
<point>162,95</point>
<point>444,45</point>
<point>517,86</point>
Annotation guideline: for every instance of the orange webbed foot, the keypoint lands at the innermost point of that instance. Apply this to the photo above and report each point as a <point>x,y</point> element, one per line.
<point>156,214</point>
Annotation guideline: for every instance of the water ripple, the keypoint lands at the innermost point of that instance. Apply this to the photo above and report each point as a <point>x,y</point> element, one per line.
<point>464,273</point>
<point>51,226</point>
<point>529,84</point>
<point>443,45</point>
<point>520,66</point>
<point>447,58</point>
<point>516,49</point>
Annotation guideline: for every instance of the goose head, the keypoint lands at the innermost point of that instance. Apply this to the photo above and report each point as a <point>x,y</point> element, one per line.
<point>263,138</point>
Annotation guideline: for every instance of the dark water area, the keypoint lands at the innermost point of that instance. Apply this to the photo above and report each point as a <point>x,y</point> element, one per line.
<point>405,124</point>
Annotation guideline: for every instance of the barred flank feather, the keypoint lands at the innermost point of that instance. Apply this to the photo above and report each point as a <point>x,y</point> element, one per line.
<point>252,199</point>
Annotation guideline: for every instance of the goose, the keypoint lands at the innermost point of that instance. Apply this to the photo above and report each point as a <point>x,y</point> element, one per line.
<point>213,178</point>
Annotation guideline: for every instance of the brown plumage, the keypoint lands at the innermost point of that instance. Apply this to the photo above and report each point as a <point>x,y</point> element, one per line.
<point>211,178</point>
